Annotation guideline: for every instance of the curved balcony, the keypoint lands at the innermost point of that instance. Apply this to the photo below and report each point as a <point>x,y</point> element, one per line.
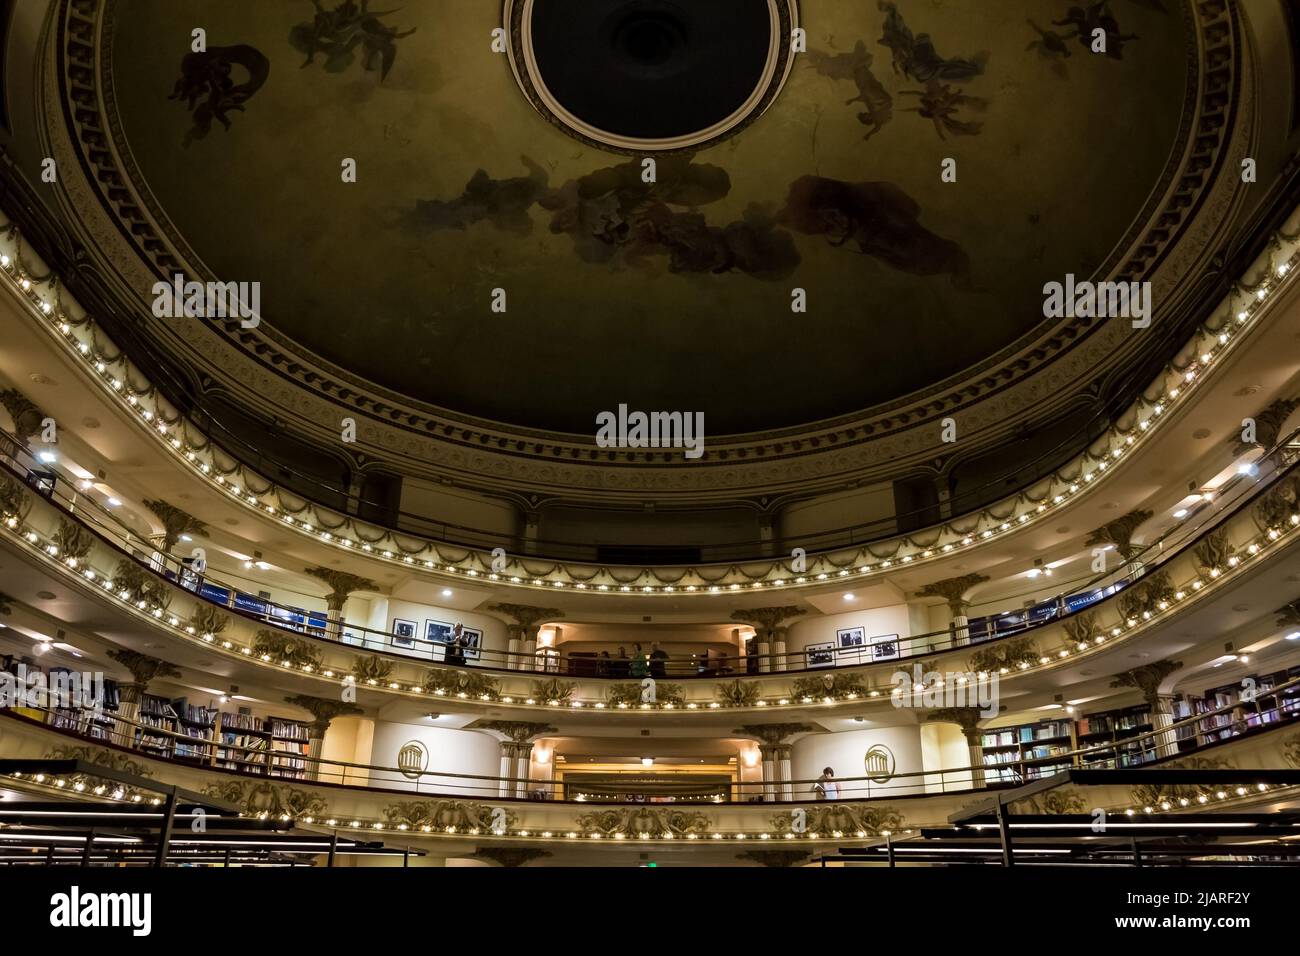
<point>1257,519</point>
<point>449,549</point>
<point>452,806</point>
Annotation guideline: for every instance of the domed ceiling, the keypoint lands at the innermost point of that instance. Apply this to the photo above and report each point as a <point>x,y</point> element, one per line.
<point>675,295</point>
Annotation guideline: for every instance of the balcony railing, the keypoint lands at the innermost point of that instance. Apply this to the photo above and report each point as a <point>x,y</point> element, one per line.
<point>1268,710</point>
<point>1078,595</point>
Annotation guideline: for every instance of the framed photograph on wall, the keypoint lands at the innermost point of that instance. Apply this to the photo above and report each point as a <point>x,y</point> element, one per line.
<point>820,655</point>
<point>437,632</point>
<point>852,645</point>
<point>885,647</point>
<point>474,649</point>
<point>403,633</point>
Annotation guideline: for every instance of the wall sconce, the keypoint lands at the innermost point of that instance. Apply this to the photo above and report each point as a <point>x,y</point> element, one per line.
<point>541,755</point>
<point>751,758</point>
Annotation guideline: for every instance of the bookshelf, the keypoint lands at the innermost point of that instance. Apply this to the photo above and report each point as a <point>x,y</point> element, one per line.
<point>1117,727</point>
<point>87,721</point>
<point>240,733</point>
<point>1244,715</point>
<point>289,743</point>
<point>198,724</point>
<point>1027,751</point>
<point>157,713</point>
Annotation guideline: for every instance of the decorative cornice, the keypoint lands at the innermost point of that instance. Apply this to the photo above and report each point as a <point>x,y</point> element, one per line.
<point>774,734</point>
<point>1147,678</point>
<point>517,731</point>
<point>765,620</point>
<point>1120,532</point>
<point>143,668</point>
<point>1289,614</point>
<point>27,417</point>
<point>175,522</point>
<point>511,856</point>
<point>967,718</point>
<point>1268,426</point>
<point>953,590</point>
<point>525,615</point>
<point>323,711</point>
<point>775,858</point>
<point>341,584</point>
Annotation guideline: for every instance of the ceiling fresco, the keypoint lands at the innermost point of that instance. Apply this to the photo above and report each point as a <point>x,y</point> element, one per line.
<point>671,295</point>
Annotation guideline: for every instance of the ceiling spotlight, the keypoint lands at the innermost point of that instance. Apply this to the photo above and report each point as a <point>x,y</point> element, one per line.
<point>48,457</point>
<point>113,502</point>
<point>647,761</point>
<point>1247,469</point>
<point>1180,513</point>
<point>1293,636</point>
<point>849,597</point>
<point>446,592</point>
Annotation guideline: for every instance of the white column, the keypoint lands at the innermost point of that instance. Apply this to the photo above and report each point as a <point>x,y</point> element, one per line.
<point>974,743</point>
<point>785,775</point>
<point>507,788</point>
<point>769,774</point>
<point>764,662</point>
<point>778,649</point>
<point>1162,718</point>
<point>525,752</point>
<point>960,623</point>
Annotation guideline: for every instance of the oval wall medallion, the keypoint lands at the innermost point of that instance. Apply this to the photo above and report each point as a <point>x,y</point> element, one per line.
<point>879,763</point>
<point>413,759</point>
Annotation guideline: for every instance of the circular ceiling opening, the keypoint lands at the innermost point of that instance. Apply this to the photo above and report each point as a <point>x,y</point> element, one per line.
<point>642,75</point>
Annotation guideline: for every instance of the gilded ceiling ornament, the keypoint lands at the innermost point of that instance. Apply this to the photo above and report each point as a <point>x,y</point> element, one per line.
<point>773,734</point>
<point>516,730</point>
<point>26,415</point>
<point>953,590</point>
<point>175,522</point>
<point>1147,678</point>
<point>1268,426</point>
<point>323,711</point>
<point>775,858</point>
<point>341,585</point>
<point>1120,533</point>
<point>511,856</point>
<point>144,669</point>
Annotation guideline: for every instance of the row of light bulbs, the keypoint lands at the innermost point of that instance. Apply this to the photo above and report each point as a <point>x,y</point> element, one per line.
<point>47,548</point>
<point>1090,468</point>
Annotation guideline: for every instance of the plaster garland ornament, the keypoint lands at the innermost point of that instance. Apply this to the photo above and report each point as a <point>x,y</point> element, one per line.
<point>459,816</point>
